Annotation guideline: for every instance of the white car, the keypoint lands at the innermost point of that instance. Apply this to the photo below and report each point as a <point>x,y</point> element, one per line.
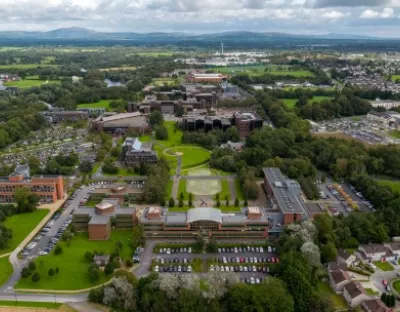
<point>156,268</point>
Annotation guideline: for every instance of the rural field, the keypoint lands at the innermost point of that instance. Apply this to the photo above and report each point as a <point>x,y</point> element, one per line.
<point>26,66</point>
<point>22,224</point>
<point>162,81</point>
<point>23,84</point>
<point>258,70</point>
<point>393,184</point>
<point>76,266</point>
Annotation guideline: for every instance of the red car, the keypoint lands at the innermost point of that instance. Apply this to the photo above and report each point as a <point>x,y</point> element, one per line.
<point>384,282</point>
<point>277,259</point>
<point>273,259</point>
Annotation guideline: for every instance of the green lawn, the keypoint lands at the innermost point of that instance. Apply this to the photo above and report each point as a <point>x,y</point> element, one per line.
<point>30,83</point>
<point>182,189</point>
<point>320,98</point>
<point>395,134</point>
<point>162,81</point>
<point>192,155</point>
<point>145,138</point>
<point>121,172</point>
<point>5,270</point>
<point>99,104</point>
<point>371,292</point>
<point>396,285</point>
<point>21,225</point>
<point>393,184</point>
<point>174,135</point>
<point>395,77</point>
<point>290,103</point>
<point>258,70</point>
<point>384,266</point>
<point>295,73</point>
<point>338,301</point>
<point>72,265</point>
<point>30,304</point>
<point>26,66</point>
<point>239,192</point>
<point>222,208</point>
<point>225,191</point>
<point>169,189</point>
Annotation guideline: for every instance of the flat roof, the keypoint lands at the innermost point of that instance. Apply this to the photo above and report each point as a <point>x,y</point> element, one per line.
<point>204,213</point>
<point>287,201</point>
<point>96,219</point>
<point>121,116</point>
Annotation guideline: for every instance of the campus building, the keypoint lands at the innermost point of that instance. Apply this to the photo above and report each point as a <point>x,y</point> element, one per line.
<point>135,152</point>
<point>244,122</point>
<point>93,111</point>
<point>71,116</point>
<point>49,188</point>
<point>119,123</point>
<point>285,195</point>
<point>206,77</point>
<point>251,222</point>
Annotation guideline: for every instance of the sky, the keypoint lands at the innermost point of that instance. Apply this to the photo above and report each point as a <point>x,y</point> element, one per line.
<point>362,17</point>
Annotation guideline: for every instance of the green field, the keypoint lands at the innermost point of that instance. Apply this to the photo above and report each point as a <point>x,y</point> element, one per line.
<point>290,103</point>
<point>384,266</point>
<point>258,70</point>
<point>395,134</point>
<point>295,73</point>
<point>182,189</point>
<point>99,104</point>
<point>72,265</point>
<point>225,191</point>
<point>30,304</point>
<point>123,172</point>
<point>26,66</point>
<point>395,77</point>
<point>155,53</point>
<point>23,84</point>
<point>174,135</point>
<point>21,225</point>
<point>191,155</point>
<point>396,286</point>
<point>338,301</point>
<point>162,81</point>
<point>393,184</point>
<point>168,190</point>
<point>5,270</point>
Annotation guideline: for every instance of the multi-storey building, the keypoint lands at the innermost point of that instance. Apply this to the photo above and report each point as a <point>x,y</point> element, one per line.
<point>49,188</point>
<point>135,152</point>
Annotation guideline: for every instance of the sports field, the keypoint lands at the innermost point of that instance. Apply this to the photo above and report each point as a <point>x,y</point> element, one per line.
<point>99,104</point>
<point>22,224</point>
<point>74,272</point>
<point>258,70</point>
<point>23,84</point>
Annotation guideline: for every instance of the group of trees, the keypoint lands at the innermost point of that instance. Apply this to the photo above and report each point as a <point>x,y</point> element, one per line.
<point>215,292</point>
<point>156,184</point>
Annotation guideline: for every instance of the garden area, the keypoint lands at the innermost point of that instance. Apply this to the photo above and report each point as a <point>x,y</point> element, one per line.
<point>21,225</point>
<point>76,266</point>
<point>384,266</point>
<point>5,270</point>
<point>100,104</point>
<point>337,301</point>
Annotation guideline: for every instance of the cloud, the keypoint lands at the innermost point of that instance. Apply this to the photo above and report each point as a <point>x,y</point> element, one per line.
<point>333,15</point>
<point>348,3</point>
<point>371,14</point>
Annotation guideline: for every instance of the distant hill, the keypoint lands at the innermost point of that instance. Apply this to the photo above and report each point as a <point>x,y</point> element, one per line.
<point>83,33</point>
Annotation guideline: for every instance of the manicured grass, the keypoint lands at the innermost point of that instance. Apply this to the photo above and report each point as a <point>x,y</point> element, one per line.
<point>30,83</point>
<point>239,192</point>
<point>21,225</point>
<point>182,189</point>
<point>396,286</point>
<point>26,66</point>
<point>30,304</point>
<point>174,135</point>
<point>192,155</point>
<point>290,103</point>
<point>72,265</point>
<point>145,138</point>
<point>295,73</point>
<point>393,184</point>
<point>96,167</point>
<point>169,189</point>
<point>224,191</point>
<point>384,266</point>
<point>5,270</point>
<point>99,104</point>
<point>338,301</point>
<point>163,81</point>
<point>395,77</point>
<point>320,98</point>
<point>251,70</point>
<point>371,292</point>
<point>121,172</point>
<point>395,134</point>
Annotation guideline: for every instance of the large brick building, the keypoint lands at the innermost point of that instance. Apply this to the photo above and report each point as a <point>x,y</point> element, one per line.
<point>49,188</point>
<point>119,123</point>
<point>285,195</point>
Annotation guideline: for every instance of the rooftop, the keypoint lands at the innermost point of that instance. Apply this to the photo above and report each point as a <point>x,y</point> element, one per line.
<point>286,192</point>
<point>354,289</point>
<point>99,220</point>
<point>375,305</point>
<point>121,116</point>
<point>204,213</point>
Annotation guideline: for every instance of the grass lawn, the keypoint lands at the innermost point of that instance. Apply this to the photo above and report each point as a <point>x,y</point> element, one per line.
<point>337,301</point>
<point>320,98</point>
<point>121,172</point>
<point>5,270</point>
<point>384,266</point>
<point>99,104</point>
<point>182,189</point>
<point>72,265</point>
<point>225,191</point>
<point>174,135</point>
<point>96,167</point>
<point>26,66</point>
<point>395,134</point>
<point>162,81</point>
<point>31,304</point>
<point>393,184</point>
<point>21,225</point>
<point>371,292</point>
<point>30,83</point>
<point>145,138</point>
<point>239,192</point>
<point>295,73</point>
<point>396,285</point>
<point>169,189</point>
<point>222,208</point>
<point>192,155</point>
<point>290,103</point>
<point>395,77</point>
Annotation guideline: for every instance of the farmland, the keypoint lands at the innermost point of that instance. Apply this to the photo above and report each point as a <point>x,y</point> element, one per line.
<point>26,66</point>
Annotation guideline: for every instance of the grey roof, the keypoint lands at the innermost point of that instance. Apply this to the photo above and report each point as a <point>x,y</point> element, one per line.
<point>175,218</point>
<point>204,213</point>
<point>96,219</point>
<point>286,192</point>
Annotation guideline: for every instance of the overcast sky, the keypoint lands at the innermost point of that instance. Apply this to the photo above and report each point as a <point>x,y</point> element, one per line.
<point>365,17</point>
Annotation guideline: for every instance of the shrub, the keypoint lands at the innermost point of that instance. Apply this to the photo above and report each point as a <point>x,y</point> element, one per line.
<point>58,250</point>
<point>32,266</point>
<point>35,277</point>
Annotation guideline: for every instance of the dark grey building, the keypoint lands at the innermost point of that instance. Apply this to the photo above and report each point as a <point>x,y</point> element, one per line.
<point>135,152</point>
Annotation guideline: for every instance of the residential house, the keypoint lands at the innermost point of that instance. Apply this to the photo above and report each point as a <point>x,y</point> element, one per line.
<point>338,279</point>
<point>101,260</point>
<point>346,257</point>
<point>395,249</point>
<point>374,305</point>
<point>354,294</point>
<point>374,252</point>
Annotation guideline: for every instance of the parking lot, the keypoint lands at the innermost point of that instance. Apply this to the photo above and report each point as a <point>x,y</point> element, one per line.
<point>330,197</point>
<point>251,263</point>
